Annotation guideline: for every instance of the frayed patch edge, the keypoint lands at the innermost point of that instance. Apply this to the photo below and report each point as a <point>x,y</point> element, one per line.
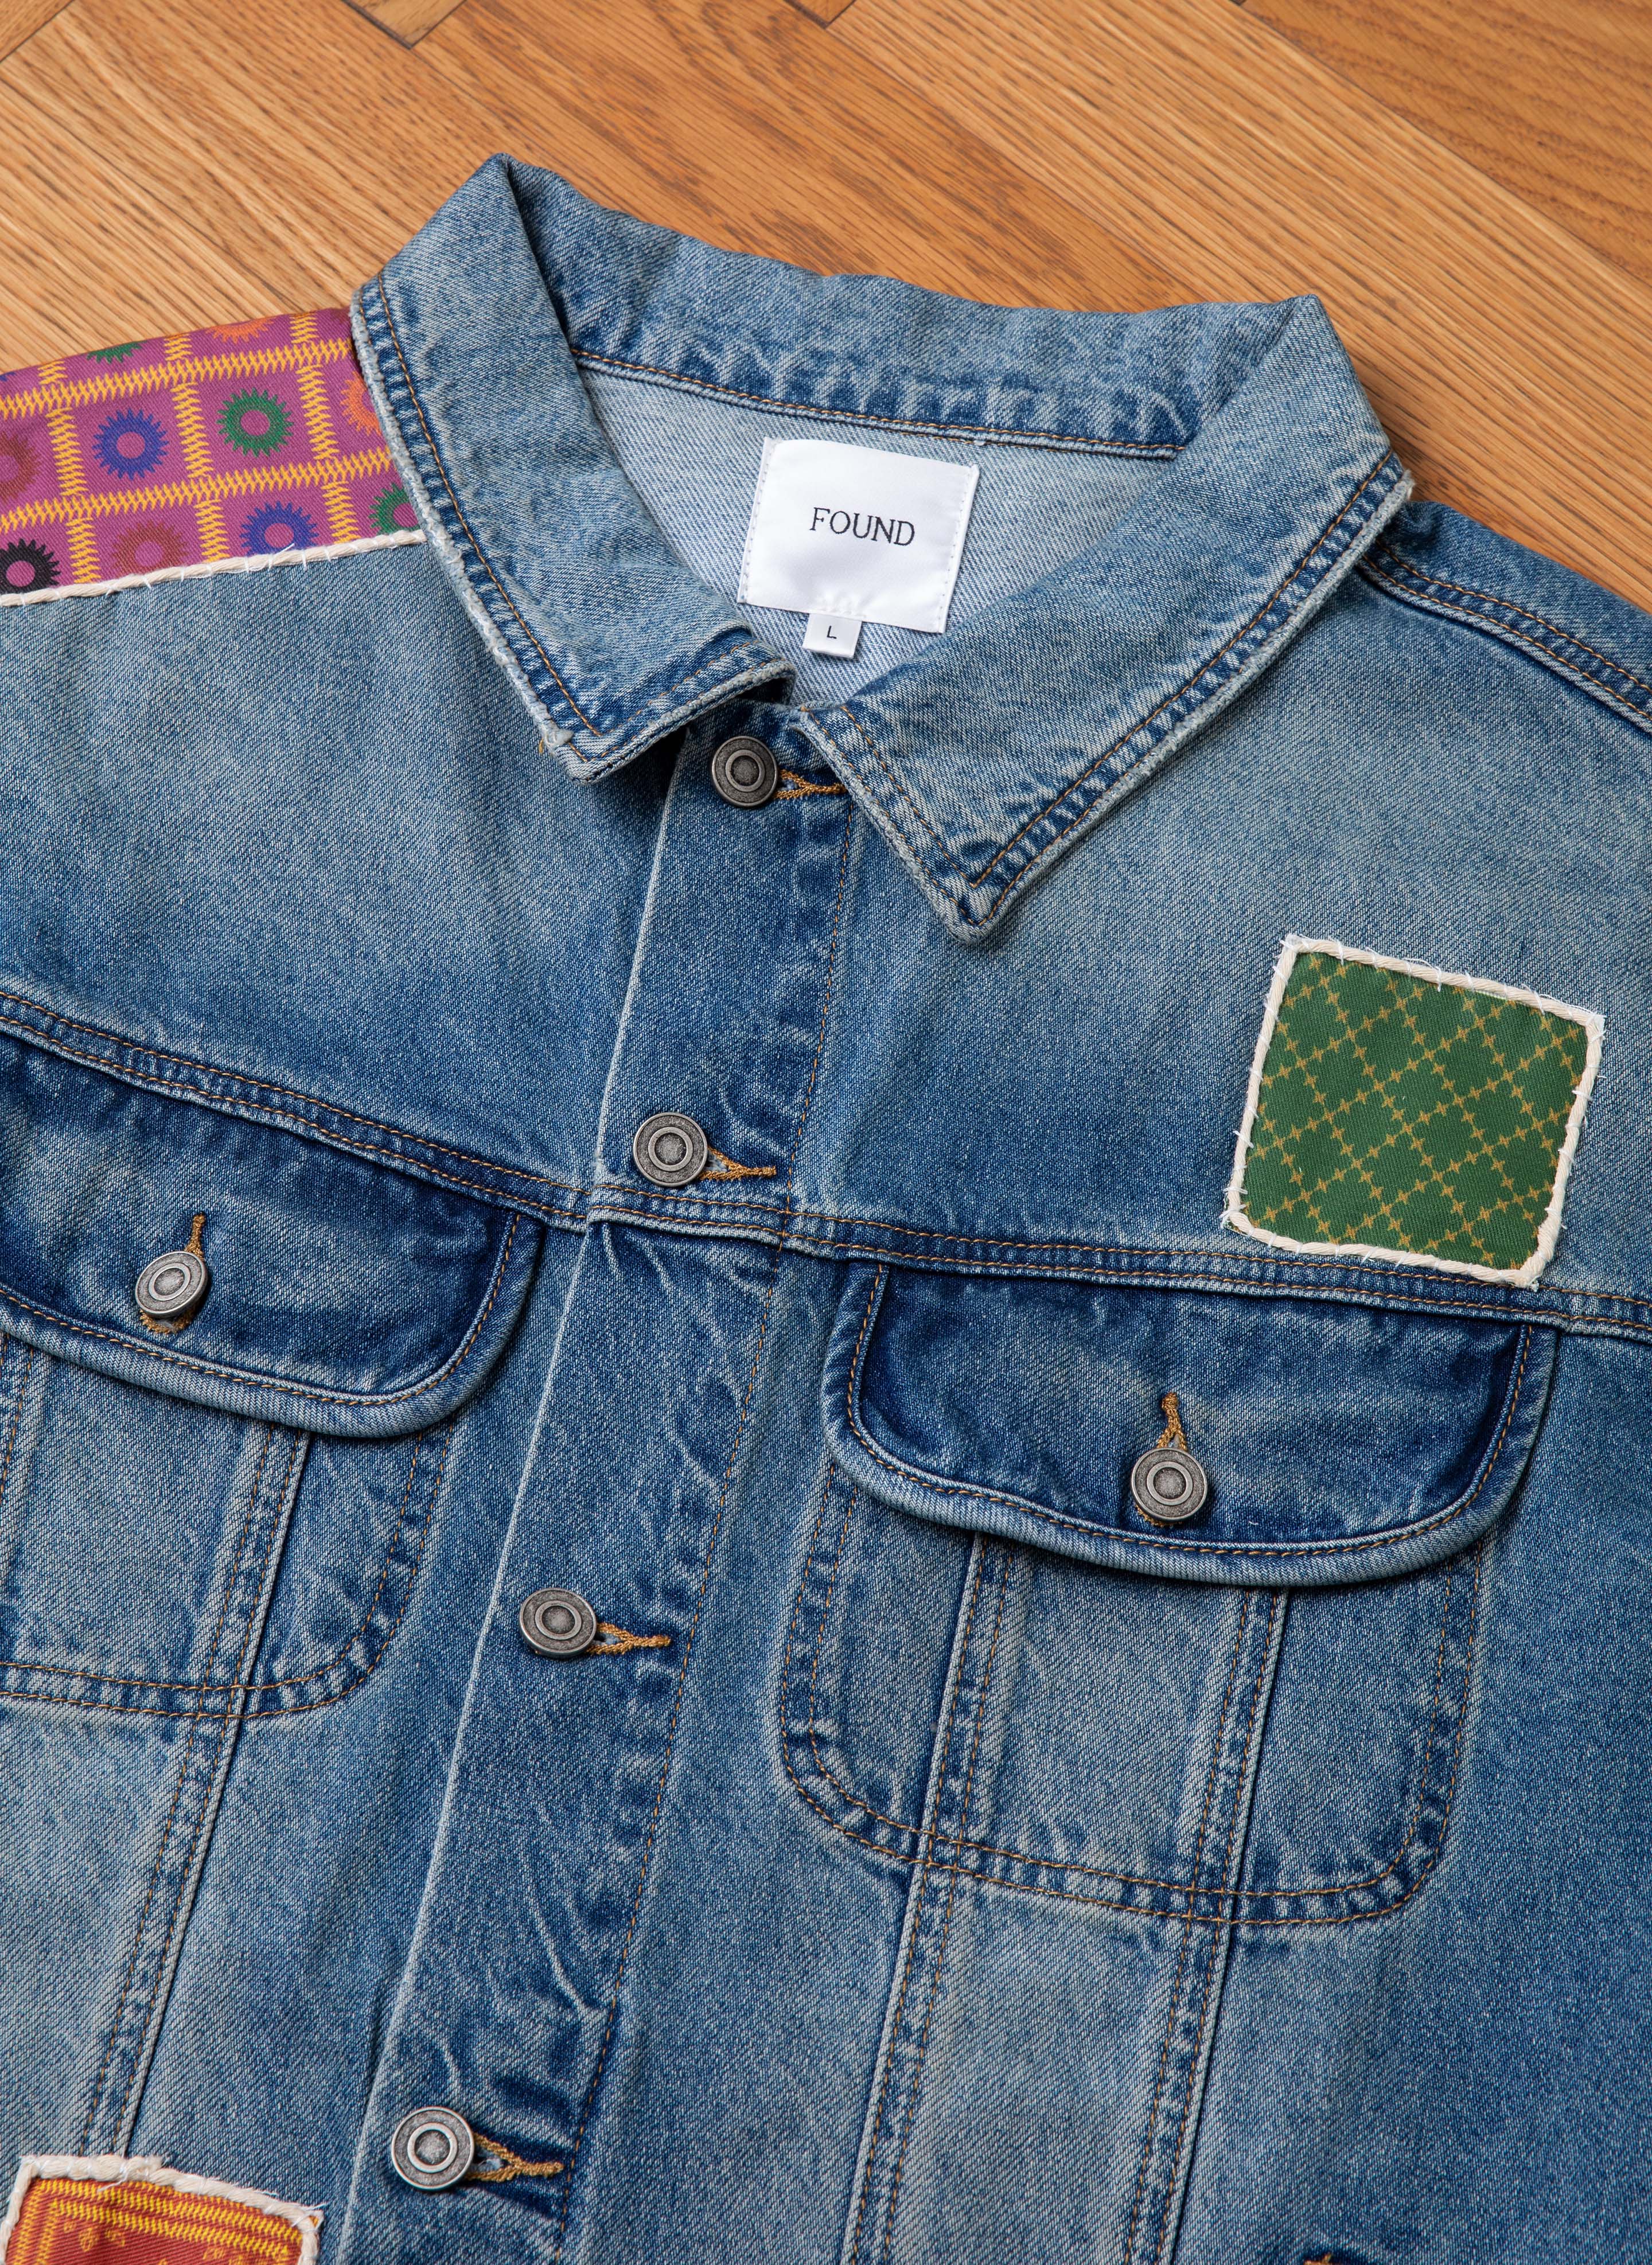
<point>150,2170</point>
<point>1520,1277</point>
<point>315,554</point>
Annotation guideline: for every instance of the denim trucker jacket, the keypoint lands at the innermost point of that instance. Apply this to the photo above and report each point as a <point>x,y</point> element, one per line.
<point>880,1497</point>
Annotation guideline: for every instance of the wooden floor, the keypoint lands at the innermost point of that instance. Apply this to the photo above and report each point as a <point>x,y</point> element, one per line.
<point>1467,184</point>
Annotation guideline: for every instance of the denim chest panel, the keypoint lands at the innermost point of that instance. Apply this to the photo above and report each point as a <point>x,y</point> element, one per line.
<point>938,1856</point>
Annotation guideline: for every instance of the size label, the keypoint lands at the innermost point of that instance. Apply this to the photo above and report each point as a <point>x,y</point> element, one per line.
<point>866,533</point>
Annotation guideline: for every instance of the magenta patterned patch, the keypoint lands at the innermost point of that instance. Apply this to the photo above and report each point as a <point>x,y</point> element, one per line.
<point>247,441</point>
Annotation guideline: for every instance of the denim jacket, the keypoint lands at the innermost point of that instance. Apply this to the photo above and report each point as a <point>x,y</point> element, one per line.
<point>879,1498</point>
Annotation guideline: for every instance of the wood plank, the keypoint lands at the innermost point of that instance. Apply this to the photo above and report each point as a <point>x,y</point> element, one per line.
<point>301,140</point>
<point>824,11</point>
<point>1553,102</point>
<point>1513,365</point>
<point>745,124</point>
<point>409,20</point>
<point>20,19</point>
<point>86,260</point>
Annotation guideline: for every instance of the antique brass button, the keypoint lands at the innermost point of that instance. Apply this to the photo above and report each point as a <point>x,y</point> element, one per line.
<point>1170,1485</point>
<point>557,1623</point>
<point>669,1149</point>
<point>433,2148</point>
<point>172,1287</point>
<point>745,773</point>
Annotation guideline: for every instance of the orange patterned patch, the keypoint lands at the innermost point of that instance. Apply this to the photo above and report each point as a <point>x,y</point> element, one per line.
<point>85,2222</point>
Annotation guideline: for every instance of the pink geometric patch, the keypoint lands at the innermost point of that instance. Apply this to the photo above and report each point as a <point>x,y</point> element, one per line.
<point>245,441</point>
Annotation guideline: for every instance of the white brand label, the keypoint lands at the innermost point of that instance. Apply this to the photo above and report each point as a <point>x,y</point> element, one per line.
<point>866,533</point>
<point>838,633</point>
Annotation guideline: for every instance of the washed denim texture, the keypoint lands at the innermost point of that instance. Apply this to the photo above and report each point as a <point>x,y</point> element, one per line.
<point>977,1872</point>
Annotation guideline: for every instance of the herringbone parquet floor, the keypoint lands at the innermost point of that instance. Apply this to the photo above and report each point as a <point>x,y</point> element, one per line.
<point>1466,183</point>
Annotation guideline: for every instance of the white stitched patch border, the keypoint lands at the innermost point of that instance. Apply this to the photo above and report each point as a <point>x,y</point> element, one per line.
<point>148,2170</point>
<point>314,555</point>
<point>1594,1025</point>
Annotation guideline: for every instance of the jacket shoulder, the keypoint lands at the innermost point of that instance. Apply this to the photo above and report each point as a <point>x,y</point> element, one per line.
<point>1434,559</point>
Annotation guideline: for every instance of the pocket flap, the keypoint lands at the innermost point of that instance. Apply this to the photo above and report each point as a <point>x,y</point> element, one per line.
<point>1340,1442</point>
<point>345,1298</point>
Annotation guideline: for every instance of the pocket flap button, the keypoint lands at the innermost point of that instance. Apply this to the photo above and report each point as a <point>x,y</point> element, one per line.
<point>745,773</point>
<point>669,1149</point>
<point>557,1623</point>
<point>433,2148</point>
<point>172,1287</point>
<point>1170,1485</point>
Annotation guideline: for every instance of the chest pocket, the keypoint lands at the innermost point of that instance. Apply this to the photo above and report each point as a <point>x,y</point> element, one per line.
<point>237,1500</point>
<point>982,1600</point>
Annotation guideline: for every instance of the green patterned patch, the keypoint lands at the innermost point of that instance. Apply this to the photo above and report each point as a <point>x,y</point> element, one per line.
<point>1410,1114</point>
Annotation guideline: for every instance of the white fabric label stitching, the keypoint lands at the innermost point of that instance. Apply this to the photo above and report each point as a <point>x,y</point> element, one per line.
<point>867,534</point>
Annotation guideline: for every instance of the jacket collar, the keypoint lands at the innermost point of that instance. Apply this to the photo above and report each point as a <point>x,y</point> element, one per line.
<point>985,758</point>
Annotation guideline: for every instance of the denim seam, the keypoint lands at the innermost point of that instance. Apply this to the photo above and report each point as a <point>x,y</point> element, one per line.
<point>939,427</point>
<point>1277,1281</point>
<point>315,1674</point>
<point>207,1806</point>
<point>156,1683</point>
<point>1474,616</point>
<point>1210,1962</point>
<point>430,442</point>
<point>665,1769</point>
<point>17,1409</point>
<point>922,1886</point>
<point>253,1381</point>
<point>1236,1919</point>
<point>1060,1863</point>
<point>178,1795</point>
<point>955,1868</point>
<point>1187,1926</point>
<point>785,1213</point>
<point>1321,544</point>
<point>311,1706</point>
<point>1031,862</point>
<point>1295,1551</point>
<point>48,1043</point>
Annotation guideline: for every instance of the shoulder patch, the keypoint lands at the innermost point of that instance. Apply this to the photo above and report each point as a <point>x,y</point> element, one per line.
<point>1395,1111</point>
<point>244,446</point>
<point>93,2208</point>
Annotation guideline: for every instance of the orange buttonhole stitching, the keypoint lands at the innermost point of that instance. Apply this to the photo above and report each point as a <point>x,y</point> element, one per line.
<point>796,786</point>
<point>619,1639</point>
<point>1172,1435</point>
<point>725,1168</point>
<point>511,2165</point>
<point>171,1329</point>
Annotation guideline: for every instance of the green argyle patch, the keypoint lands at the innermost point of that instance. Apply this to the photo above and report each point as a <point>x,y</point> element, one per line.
<point>1409,1115</point>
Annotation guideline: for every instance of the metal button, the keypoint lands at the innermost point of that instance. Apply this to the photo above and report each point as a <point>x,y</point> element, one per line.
<point>744,772</point>
<point>433,2148</point>
<point>172,1287</point>
<point>670,1150</point>
<point>1169,1485</point>
<point>557,1623</point>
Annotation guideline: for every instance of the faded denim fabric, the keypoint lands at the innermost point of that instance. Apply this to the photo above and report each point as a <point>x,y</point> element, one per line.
<point>958,1866</point>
